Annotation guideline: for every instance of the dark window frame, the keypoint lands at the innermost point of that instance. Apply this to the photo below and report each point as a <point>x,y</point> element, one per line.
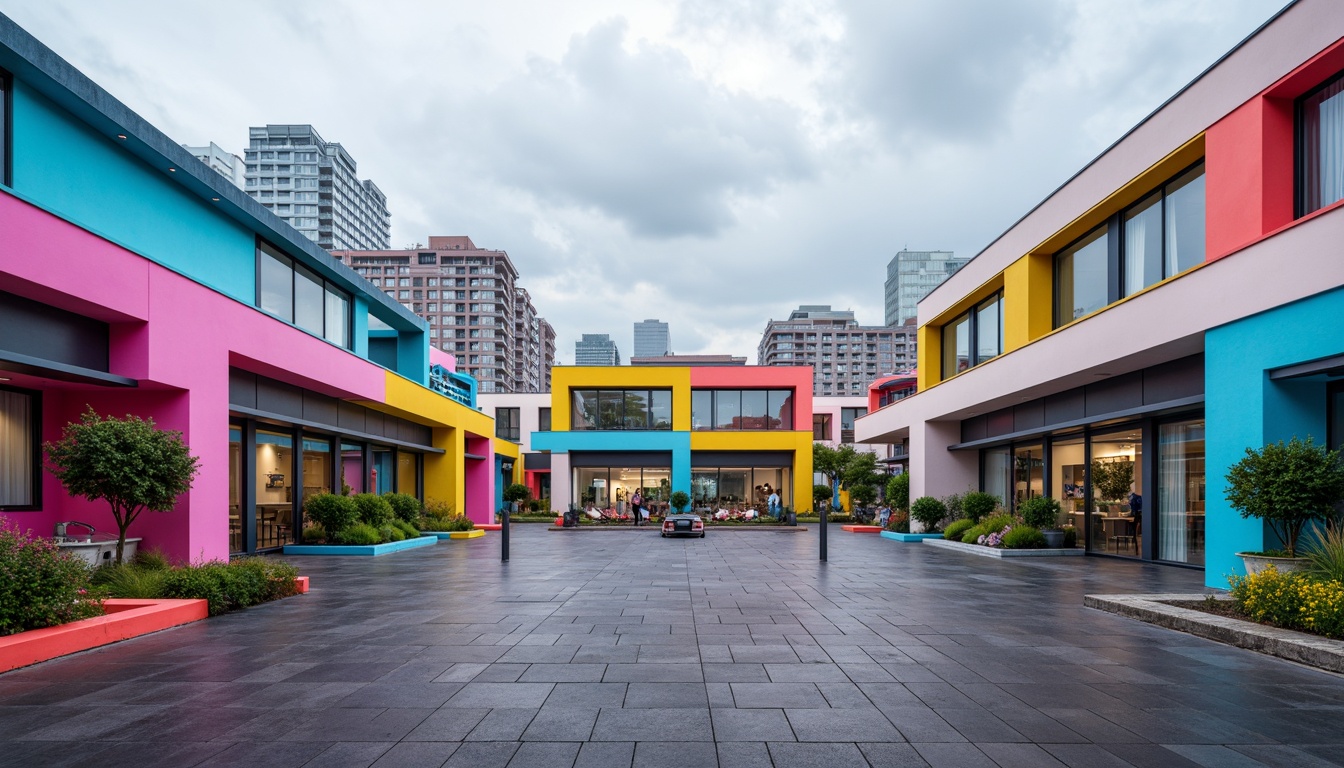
<point>507,424</point>
<point>713,425</point>
<point>6,128</point>
<point>1299,147</point>
<point>35,441</point>
<point>821,427</point>
<point>972,318</point>
<point>598,426</point>
<point>1114,236</point>
<point>327,287</point>
<point>544,419</point>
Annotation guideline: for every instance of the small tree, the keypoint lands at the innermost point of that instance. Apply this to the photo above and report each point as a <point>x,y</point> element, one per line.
<point>1287,485</point>
<point>679,501</point>
<point>1041,512</point>
<point>929,511</point>
<point>863,495</point>
<point>332,511</point>
<point>977,505</point>
<point>129,463</point>
<point>898,491</point>
<point>821,494</point>
<point>516,492</point>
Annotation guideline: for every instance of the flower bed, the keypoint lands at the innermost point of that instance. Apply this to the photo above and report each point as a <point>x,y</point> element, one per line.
<point>121,620</point>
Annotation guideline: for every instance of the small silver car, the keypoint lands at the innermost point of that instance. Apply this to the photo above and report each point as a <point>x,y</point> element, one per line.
<point>683,524</point>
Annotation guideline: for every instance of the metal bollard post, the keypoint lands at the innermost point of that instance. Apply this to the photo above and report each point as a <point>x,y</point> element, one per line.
<point>824,515</point>
<point>504,537</point>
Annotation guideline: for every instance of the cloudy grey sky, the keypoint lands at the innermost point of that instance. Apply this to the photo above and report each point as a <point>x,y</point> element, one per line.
<point>711,163</point>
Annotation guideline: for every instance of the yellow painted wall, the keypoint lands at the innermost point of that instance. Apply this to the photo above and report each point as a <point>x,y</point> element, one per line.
<point>1028,300</point>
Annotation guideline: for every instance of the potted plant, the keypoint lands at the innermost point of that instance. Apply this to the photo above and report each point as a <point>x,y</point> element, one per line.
<point>1042,513</point>
<point>1287,485</point>
<point>515,493</point>
<point>679,501</point>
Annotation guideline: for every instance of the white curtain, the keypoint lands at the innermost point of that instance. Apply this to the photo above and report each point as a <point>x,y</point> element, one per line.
<point>1136,238</point>
<point>16,449</point>
<point>1171,501</point>
<point>1332,149</point>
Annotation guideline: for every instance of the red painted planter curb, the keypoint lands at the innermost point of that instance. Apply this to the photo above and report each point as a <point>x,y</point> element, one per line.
<point>302,583</point>
<point>489,526</point>
<point>122,620</point>
<point>862,528</point>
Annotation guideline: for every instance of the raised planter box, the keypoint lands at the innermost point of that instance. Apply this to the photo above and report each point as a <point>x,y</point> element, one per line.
<point>474,533</point>
<point>359,550</point>
<point>1314,650</point>
<point>910,537</point>
<point>862,528</point>
<point>491,526</point>
<point>976,549</point>
<point>301,582</point>
<point>122,620</point>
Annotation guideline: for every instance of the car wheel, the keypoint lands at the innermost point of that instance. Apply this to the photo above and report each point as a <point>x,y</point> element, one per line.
<point>702,534</point>
<point>664,535</point>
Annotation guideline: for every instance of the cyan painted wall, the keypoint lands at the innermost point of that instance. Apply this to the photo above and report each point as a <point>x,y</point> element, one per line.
<point>60,163</point>
<point>1244,409</point>
<point>679,443</point>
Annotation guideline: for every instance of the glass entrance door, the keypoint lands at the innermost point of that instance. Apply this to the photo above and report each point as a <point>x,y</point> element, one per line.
<point>1180,492</point>
<point>1116,503</point>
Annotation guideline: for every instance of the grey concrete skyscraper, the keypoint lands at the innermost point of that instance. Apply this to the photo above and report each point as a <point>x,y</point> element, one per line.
<point>910,277</point>
<point>312,184</point>
<point>596,349</point>
<point>652,339</point>
<point>845,357</point>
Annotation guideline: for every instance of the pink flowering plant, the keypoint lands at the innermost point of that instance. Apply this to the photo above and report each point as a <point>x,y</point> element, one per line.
<point>994,538</point>
<point>40,584</point>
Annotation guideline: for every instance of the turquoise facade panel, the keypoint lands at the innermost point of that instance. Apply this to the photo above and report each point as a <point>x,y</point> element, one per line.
<point>1244,408</point>
<point>61,164</point>
<point>678,443</point>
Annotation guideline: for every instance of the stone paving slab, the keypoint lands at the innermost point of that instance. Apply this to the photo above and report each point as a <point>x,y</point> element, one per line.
<point>638,651</point>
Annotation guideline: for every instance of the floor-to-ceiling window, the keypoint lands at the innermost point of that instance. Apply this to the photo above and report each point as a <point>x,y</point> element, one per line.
<point>236,541</point>
<point>20,455</point>
<point>272,515</point>
<point>382,475</point>
<point>1180,492</point>
<point>1116,483</point>
<point>352,467</point>
<point>1028,472</point>
<point>998,474</point>
<point>318,465</point>
<point>1068,480</point>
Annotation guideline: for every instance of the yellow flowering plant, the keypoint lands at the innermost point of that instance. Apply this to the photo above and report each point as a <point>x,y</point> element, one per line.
<point>1292,600</point>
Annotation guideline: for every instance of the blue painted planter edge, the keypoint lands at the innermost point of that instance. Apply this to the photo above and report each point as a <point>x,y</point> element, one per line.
<point>909,537</point>
<point>367,550</point>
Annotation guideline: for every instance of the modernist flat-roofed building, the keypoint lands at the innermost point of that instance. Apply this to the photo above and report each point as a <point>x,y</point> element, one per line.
<point>475,308</point>
<point>652,339</point>
<point>718,433</point>
<point>596,349</point>
<point>313,184</point>
<point>1173,304</point>
<point>136,280</point>
<point>844,356</point>
<point>225,163</point>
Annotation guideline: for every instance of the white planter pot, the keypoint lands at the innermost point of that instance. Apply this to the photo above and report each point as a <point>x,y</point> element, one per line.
<point>1257,563</point>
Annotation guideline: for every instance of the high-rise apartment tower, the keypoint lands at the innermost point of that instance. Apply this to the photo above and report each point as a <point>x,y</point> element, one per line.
<point>845,356</point>
<point>910,277</point>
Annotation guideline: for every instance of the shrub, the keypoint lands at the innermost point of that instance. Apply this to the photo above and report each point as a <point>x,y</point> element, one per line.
<point>899,521</point>
<point>679,500</point>
<point>953,503</point>
<point>373,510</point>
<point>459,523</point>
<point>40,585</point>
<point>331,511</point>
<point>1024,537</point>
<point>1293,600</point>
<point>130,581</point>
<point>390,533</point>
<point>440,510</point>
<point>1040,512</point>
<point>405,507</point>
<point>898,491</point>
<point>976,505</point>
<point>408,531</point>
<point>862,495</point>
<point>517,492</point>
<point>229,586</point>
<point>820,495</point>
<point>151,560</point>
<point>357,534</point>
<point>1070,537</point>
<point>957,528</point>
<point>313,534</point>
<point>129,463</point>
<point>1288,485</point>
<point>1326,553</point>
<point>929,512</point>
<point>986,527</point>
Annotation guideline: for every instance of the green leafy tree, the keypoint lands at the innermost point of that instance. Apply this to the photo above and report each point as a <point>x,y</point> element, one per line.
<point>1040,512</point>
<point>1287,485</point>
<point>679,501</point>
<point>821,494</point>
<point>863,494</point>
<point>844,468</point>
<point>977,505</point>
<point>516,492</point>
<point>129,463</point>
<point>898,491</point>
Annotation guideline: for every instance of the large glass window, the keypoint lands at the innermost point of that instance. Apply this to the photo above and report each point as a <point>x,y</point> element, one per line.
<point>739,489</point>
<point>273,515</point>
<point>1081,277</point>
<point>727,409</point>
<point>1185,221</point>
<point>781,409</point>
<point>236,541</point>
<point>543,419</point>
<point>1143,244</point>
<point>821,426</point>
<point>317,465</point>
<point>1068,481</point>
<point>617,409</point>
<point>19,456</point>
<point>352,468</point>
<point>1320,147</point>
<point>847,417</point>
<point>1028,473</point>
<point>506,424</point>
<point>744,409</point>
<point>298,295</point>
<point>974,338</point>
<point>1116,485</point>
<point>998,473</point>
<point>1180,492</point>
<point>702,409</point>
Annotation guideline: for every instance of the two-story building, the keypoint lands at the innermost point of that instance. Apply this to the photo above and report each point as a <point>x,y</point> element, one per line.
<point>136,280</point>
<point>1172,304</point>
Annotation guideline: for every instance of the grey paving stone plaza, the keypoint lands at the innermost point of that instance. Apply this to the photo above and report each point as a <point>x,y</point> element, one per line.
<point>624,649</point>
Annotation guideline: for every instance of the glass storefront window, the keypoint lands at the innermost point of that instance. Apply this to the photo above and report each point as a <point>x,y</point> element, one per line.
<point>1028,473</point>
<point>352,467</point>
<point>236,543</point>
<point>382,475</point>
<point>1116,476</point>
<point>273,515</point>
<point>1068,481</point>
<point>739,489</point>
<point>999,474</point>
<point>704,489</point>
<point>593,486</point>
<point>317,466</point>
<point>1180,492</point>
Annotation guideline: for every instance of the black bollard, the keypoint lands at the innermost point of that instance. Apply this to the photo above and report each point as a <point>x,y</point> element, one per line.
<point>504,537</point>
<point>824,515</point>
